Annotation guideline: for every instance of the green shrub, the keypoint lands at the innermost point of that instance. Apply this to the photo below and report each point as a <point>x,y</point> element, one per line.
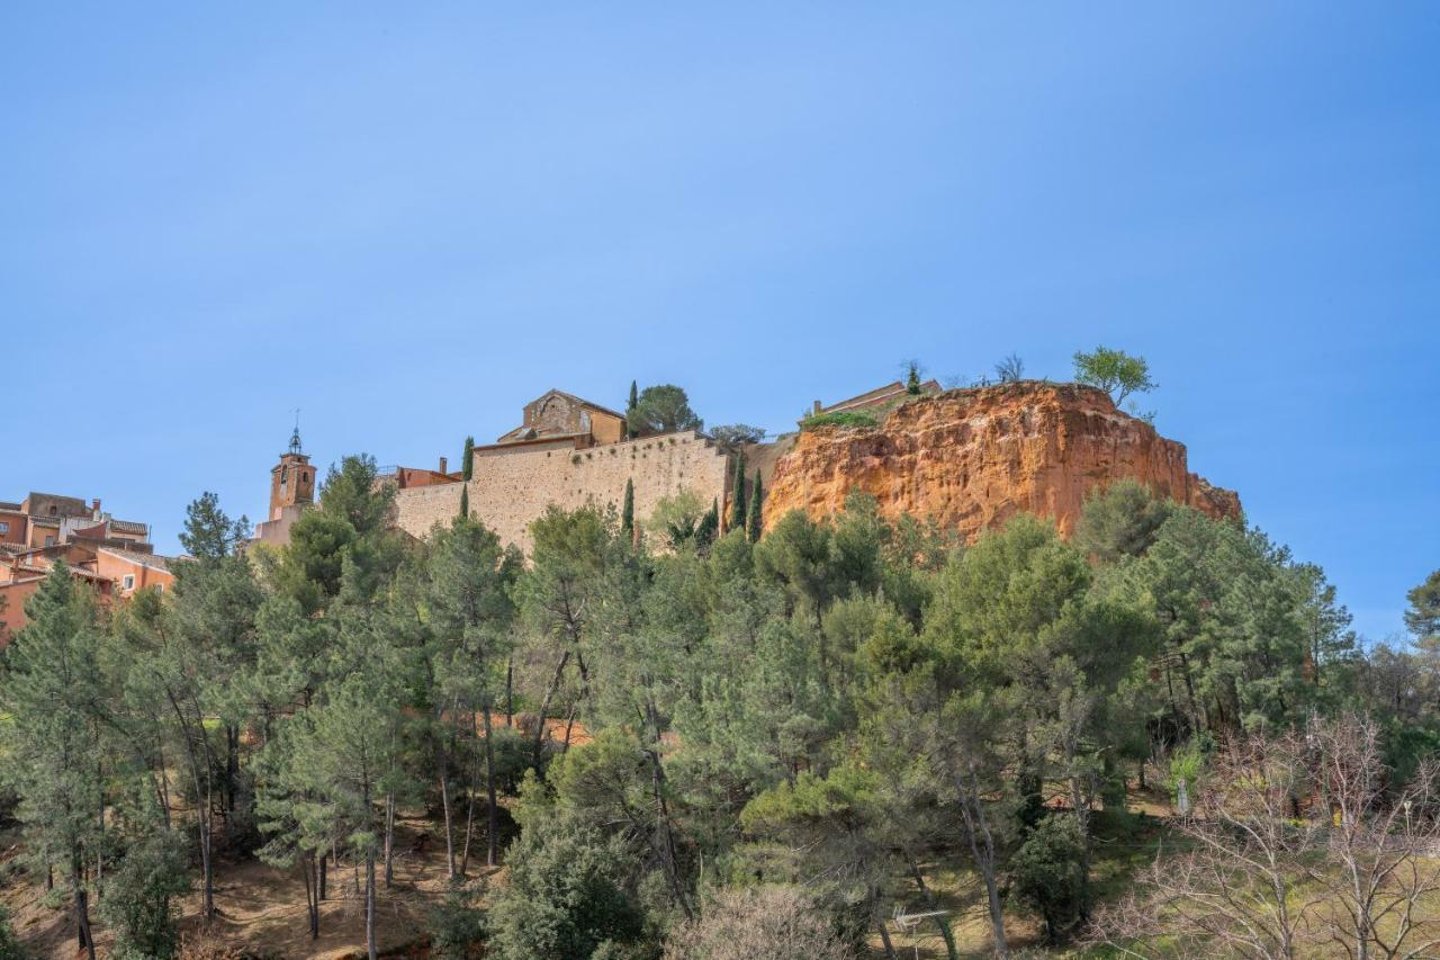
<point>139,898</point>
<point>457,927</point>
<point>850,419</point>
<point>1047,874</point>
<point>10,948</point>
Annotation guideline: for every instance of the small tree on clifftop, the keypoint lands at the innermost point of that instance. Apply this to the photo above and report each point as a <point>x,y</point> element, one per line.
<point>1115,372</point>
<point>663,409</point>
<point>1010,369</point>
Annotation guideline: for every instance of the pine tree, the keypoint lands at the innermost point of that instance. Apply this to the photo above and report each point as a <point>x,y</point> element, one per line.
<point>467,459</point>
<point>755,521</point>
<point>912,379</point>
<point>52,691</point>
<point>627,512</point>
<point>737,496</point>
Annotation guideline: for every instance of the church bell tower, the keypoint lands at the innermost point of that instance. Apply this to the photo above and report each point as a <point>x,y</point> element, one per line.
<point>292,480</point>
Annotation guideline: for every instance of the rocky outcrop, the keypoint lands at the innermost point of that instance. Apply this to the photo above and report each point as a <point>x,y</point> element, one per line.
<point>973,458</point>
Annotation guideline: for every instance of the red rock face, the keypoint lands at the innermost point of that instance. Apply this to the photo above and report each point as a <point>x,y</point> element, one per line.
<point>973,458</point>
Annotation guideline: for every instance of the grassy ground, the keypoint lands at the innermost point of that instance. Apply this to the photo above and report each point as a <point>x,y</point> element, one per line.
<point>262,908</point>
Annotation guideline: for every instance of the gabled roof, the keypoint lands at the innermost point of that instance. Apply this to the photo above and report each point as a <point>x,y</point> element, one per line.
<point>580,400</point>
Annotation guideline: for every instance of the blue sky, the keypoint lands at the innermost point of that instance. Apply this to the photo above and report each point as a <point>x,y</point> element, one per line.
<point>407,220</point>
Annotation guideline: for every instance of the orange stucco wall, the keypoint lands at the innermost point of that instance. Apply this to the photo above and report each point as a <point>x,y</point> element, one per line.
<point>116,569</point>
<point>12,606</point>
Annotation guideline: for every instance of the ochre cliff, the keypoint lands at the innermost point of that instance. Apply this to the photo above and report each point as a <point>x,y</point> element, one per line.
<point>973,458</point>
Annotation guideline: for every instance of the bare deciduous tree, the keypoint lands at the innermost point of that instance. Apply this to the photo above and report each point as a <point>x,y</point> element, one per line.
<point>1296,840</point>
<point>771,923</point>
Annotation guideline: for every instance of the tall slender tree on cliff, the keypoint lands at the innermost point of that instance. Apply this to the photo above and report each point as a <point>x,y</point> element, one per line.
<point>912,379</point>
<point>630,429</point>
<point>627,512</point>
<point>467,470</point>
<point>755,521</point>
<point>737,496</point>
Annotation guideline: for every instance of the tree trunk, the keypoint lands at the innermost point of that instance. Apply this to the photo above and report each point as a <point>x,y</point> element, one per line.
<point>492,823</point>
<point>885,938</point>
<point>1081,804</point>
<point>322,882</point>
<point>943,923</point>
<point>545,705</point>
<point>510,692</point>
<point>657,784</point>
<point>370,903</point>
<point>982,848</point>
<point>203,800</point>
<point>469,818</point>
<point>310,868</point>
<point>389,840</point>
<point>569,728</point>
<point>449,827</point>
<point>82,909</point>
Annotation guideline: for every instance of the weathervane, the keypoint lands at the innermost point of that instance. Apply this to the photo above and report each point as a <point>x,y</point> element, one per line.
<point>295,437</point>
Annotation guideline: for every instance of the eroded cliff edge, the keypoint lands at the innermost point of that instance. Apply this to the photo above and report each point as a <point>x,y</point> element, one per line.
<point>972,458</point>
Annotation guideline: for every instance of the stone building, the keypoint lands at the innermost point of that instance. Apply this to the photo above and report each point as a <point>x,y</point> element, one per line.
<point>568,452</point>
<point>557,414</point>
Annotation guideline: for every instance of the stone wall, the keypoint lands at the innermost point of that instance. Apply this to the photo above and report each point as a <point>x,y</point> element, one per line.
<point>511,487</point>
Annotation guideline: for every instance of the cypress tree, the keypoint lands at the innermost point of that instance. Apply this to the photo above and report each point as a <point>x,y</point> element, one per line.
<point>737,496</point>
<point>912,382</point>
<point>630,430</point>
<point>627,512</point>
<point>467,459</point>
<point>464,501</point>
<point>755,520</point>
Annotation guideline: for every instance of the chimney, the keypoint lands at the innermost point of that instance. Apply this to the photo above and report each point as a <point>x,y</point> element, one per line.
<point>95,508</point>
<point>443,464</point>
<point>818,408</point>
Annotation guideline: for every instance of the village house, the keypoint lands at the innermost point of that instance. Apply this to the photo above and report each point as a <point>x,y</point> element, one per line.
<point>113,557</point>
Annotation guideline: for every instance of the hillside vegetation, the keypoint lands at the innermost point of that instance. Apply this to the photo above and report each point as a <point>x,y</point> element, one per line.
<point>722,748</point>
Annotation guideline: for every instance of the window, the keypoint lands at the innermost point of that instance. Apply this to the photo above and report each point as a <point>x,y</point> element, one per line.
<point>159,588</point>
<point>128,581</point>
<point>4,526</point>
<point>49,541</point>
